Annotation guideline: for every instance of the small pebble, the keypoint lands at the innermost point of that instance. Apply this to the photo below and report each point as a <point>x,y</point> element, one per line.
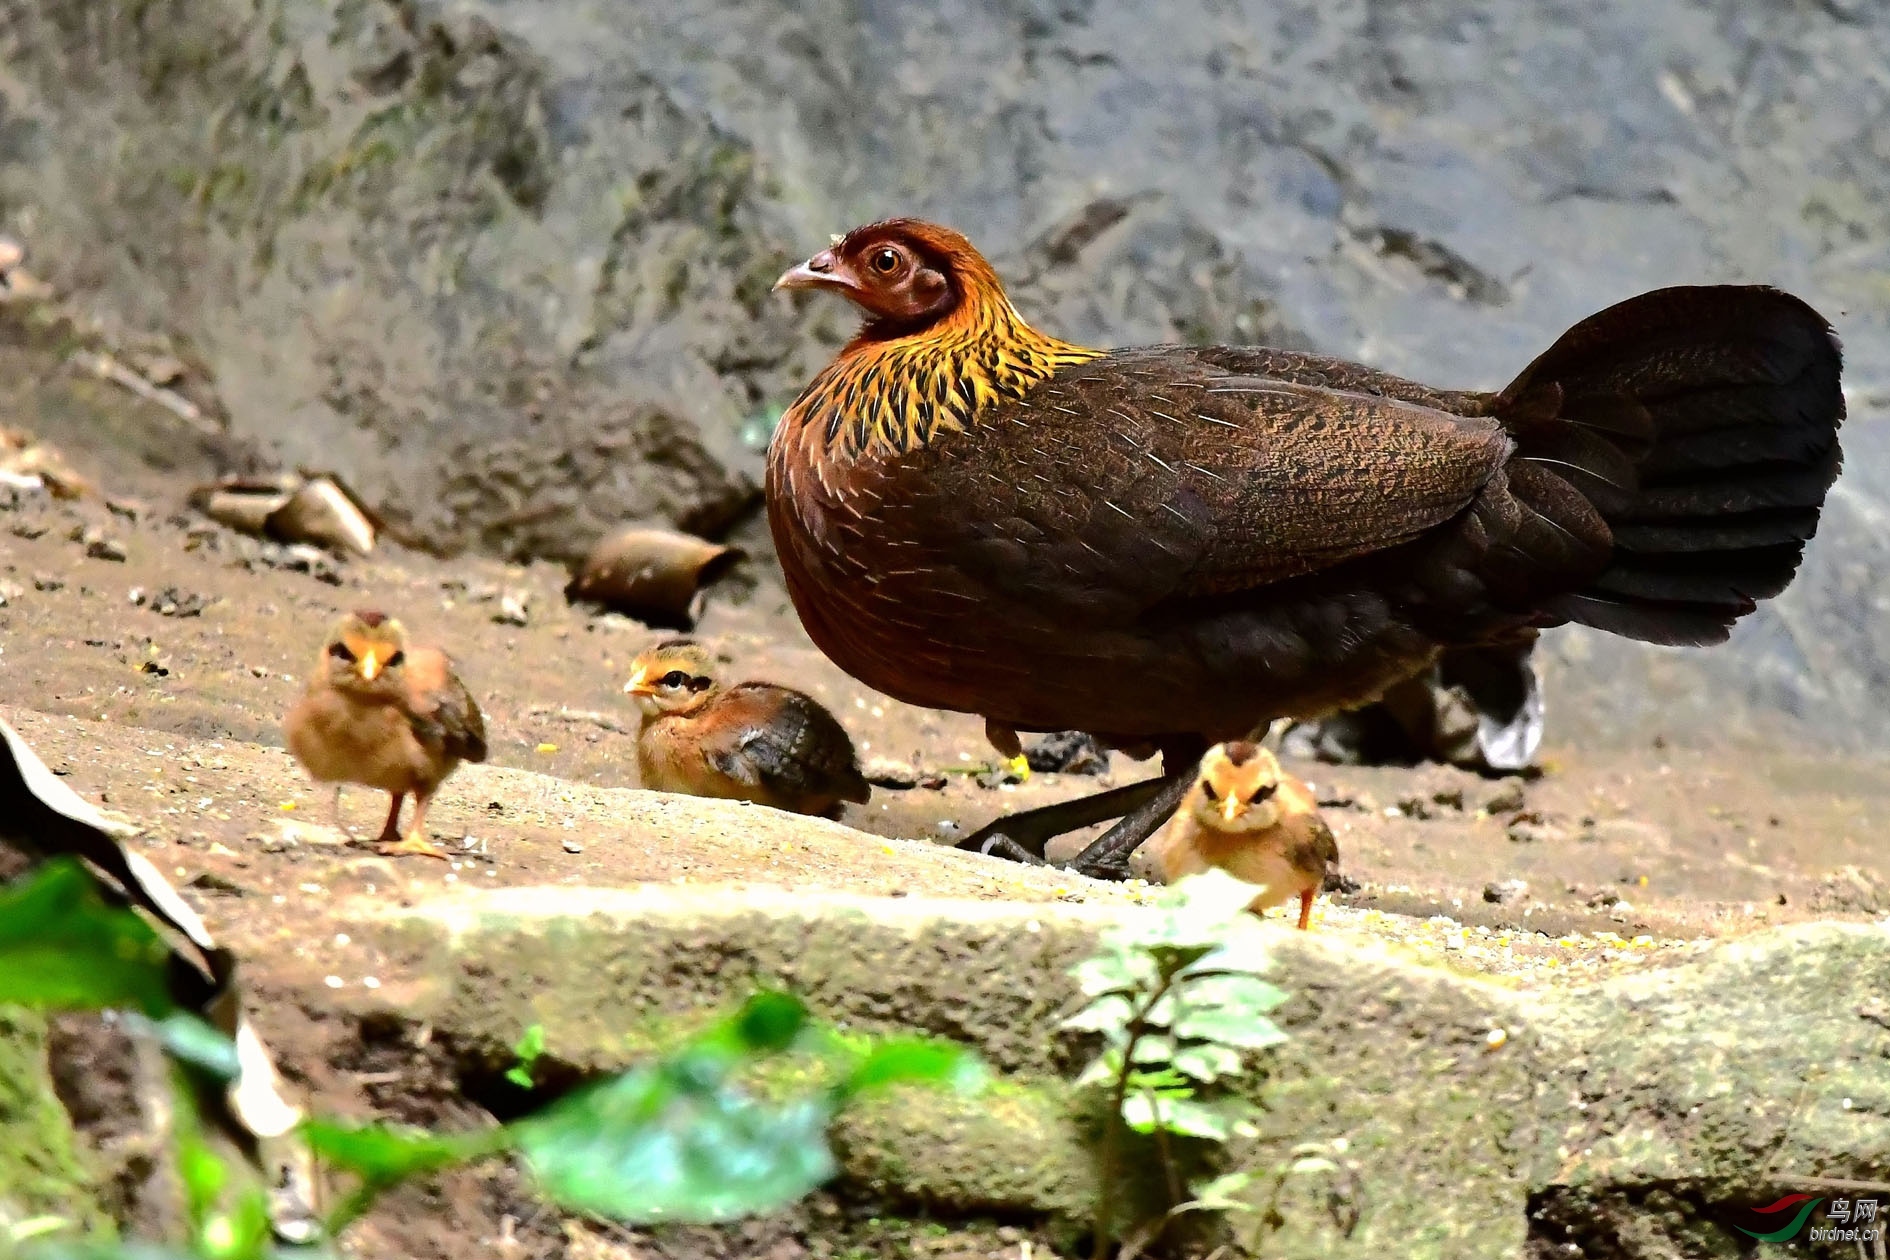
<point>572,846</point>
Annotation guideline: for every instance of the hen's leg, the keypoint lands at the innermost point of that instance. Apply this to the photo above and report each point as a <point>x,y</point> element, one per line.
<point>1142,807</point>
<point>1022,837</point>
<point>1108,856</point>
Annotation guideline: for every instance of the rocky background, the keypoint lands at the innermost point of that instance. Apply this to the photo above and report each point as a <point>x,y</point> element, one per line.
<point>504,264</point>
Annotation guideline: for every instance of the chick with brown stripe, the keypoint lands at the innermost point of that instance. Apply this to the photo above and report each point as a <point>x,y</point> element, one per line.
<point>385,715</point>
<point>751,742</point>
<point>1253,820</point>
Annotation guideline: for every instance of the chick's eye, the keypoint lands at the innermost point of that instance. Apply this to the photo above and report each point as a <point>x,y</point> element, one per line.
<point>675,678</point>
<point>886,261</point>
<point>1265,790</point>
<point>397,659</point>
<point>1207,790</point>
<point>340,651</point>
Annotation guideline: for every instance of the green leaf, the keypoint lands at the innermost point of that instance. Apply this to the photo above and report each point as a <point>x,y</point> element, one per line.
<point>530,1048</point>
<point>63,947</point>
<point>1109,1015</point>
<point>1113,971</point>
<point>1163,1078</point>
<point>914,1061</point>
<point>382,1154</point>
<point>1239,1030</point>
<point>665,1144</point>
<point>1221,1191</point>
<point>1236,992</point>
<point>1310,1164</point>
<point>770,1022</point>
<point>1147,1112</point>
<point>1213,896</point>
<point>240,1234</point>
<point>1206,1061</point>
<point>104,1251</point>
<point>1151,1048</point>
<point>189,1040</point>
<point>1103,1069</point>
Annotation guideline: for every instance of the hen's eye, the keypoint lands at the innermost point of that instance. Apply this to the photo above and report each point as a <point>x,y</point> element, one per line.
<point>396,660</point>
<point>340,652</point>
<point>886,261</point>
<point>675,678</point>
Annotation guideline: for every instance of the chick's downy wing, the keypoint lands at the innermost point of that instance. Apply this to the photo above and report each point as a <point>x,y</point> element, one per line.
<point>782,740</point>
<point>1174,473</point>
<point>440,709</point>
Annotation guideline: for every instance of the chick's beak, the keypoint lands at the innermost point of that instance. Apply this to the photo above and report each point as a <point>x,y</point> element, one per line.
<point>1232,807</point>
<point>370,665</point>
<point>822,271</point>
<point>638,685</point>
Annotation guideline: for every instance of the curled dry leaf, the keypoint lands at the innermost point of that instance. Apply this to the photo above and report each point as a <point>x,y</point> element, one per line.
<point>657,576</point>
<point>42,818</point>
<point>28,463</point>
<point>320,510</point>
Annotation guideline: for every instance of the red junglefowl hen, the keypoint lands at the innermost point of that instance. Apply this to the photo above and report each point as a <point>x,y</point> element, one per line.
<point>1168,547</point>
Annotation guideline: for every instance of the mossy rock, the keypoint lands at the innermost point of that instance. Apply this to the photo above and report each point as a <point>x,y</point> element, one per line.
<point>42,1172</point>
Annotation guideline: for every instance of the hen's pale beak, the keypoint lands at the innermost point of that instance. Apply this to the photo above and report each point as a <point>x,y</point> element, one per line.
<point>822,271</point>
<point>370,665</point>
<point>1232,807</point>
<point>638,685</point>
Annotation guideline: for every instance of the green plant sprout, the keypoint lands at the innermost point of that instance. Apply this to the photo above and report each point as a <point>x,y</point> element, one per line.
<point>1177,997</point>
<point>677,1139</point>
<point>530,1048</point>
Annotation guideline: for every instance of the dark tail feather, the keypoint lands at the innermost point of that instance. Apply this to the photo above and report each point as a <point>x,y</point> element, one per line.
<point>1701,424</point>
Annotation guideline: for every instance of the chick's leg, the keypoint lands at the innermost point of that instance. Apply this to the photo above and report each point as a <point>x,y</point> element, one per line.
<point>390,831</point>
<point>415,841</point>
<point>1305,909</point>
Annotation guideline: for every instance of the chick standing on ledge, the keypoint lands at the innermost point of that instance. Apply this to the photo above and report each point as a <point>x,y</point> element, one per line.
<point>752,742</point>
<point>387,716</point>
<point>1254,821</point>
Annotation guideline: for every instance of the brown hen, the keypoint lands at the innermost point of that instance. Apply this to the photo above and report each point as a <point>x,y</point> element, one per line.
<point>1170,546</point>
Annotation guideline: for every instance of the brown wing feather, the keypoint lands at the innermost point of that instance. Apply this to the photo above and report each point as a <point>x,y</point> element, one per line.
<point>785,741</point>
<point>441,711</point>
<point>1197,480</point>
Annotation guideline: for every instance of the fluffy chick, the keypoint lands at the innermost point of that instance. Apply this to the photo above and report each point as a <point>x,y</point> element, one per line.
<point>751,742</point>
<point>380,713</point>
<point>1256,822</point>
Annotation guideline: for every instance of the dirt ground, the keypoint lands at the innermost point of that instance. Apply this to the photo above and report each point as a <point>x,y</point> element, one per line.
<point>155,682</point>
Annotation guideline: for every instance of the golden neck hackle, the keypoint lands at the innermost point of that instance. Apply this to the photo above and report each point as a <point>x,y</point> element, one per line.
<point>888,395</point>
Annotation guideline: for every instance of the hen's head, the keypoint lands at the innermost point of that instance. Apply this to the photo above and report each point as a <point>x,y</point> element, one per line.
<point>906,274</point>
<point>674,676</point>
<point>365,650</point>
<point>1235,787</point>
